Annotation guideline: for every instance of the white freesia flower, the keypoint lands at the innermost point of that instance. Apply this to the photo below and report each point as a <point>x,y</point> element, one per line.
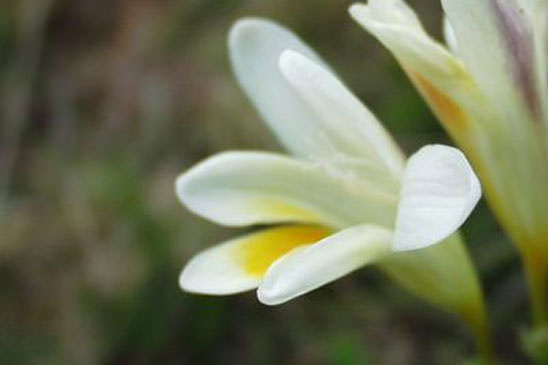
<point>347,197</point>
<point>489,89</point>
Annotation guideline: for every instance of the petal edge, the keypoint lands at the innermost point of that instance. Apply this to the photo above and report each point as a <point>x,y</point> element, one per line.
<point>439,191</point>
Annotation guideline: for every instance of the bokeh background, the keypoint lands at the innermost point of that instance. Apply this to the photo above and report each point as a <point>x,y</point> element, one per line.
<point>102,104</point>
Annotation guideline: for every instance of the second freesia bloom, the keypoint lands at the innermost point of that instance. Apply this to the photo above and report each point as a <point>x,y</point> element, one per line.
<point>346,199</point>
<point>489,89</point>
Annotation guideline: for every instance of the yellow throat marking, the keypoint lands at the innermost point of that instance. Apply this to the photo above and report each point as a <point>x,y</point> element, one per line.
<point>258,251</point>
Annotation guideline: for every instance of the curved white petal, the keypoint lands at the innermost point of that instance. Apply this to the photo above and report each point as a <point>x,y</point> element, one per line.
<point>244,188</point>
<point>439,191</point>
<point>436,72</point>
<point>397,27</point>
<point>351,127</point>
<point>308,132</point>
<point>306,269</point>
<point>239,264</point>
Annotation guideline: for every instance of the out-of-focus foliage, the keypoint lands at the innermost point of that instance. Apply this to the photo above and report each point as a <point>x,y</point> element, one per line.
<point>102,104</point>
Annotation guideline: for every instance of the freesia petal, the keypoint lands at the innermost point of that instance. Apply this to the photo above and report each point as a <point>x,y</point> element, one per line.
<point>437,73</point>
<point>306,269</point>
<point>537,10</point>
<point>450,37</point>
<point>244,188</point>
<point>397,27</point>
<point>255,48</point>
<point>439,191</point>
<point>239,264</point>
<point>496,43</point>
<point>351,126</point>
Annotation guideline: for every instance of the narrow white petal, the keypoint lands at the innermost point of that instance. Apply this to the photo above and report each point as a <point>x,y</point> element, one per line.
<point>255,46</point>
<point>304,270</point>
<point>244,188</point>
<point>439,191</point>
<point>239,264</point>
<point>397,27</point>
<point>390,11</point>
<point>255,49</point>
<point>351,127</point>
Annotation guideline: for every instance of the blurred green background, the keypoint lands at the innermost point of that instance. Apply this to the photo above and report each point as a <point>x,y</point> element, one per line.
<point>102,104</point>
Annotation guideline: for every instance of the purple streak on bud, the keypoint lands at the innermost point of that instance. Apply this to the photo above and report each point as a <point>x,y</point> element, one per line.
<point>518,36</point>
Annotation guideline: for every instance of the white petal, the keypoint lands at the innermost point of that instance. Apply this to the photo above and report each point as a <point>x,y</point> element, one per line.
<point>537,11</point>
<point>306,269</point>
<point>397,27</point>
<point>539,14</point>
<point>389,11</point>
<point>239,264</point>
<point>439,191</point>
<point>244,188</point>
<point>450,37</point>
<point>255,48</point>
<point>437,73</point>
<point>351,127</point>
<point>496,43</point>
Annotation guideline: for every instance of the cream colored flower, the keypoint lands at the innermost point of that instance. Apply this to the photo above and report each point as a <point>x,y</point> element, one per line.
<point>347,197</point>
<point>489,89</point>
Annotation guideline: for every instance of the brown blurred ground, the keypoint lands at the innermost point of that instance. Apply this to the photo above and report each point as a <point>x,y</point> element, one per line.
<point>102,104</point>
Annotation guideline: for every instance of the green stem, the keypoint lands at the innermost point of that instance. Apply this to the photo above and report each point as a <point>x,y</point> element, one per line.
<point>482,337</point>
<point>536,270</point>
<point>476,318</point>
<point>484,346</point>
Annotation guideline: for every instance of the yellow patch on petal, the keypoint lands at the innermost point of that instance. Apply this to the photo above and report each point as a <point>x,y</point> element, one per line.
<point>446,109</point>
<point>260,250</point>
<point>290,212</point>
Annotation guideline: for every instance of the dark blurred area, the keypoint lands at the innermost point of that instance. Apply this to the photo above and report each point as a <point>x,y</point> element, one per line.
<point>102,104</point>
